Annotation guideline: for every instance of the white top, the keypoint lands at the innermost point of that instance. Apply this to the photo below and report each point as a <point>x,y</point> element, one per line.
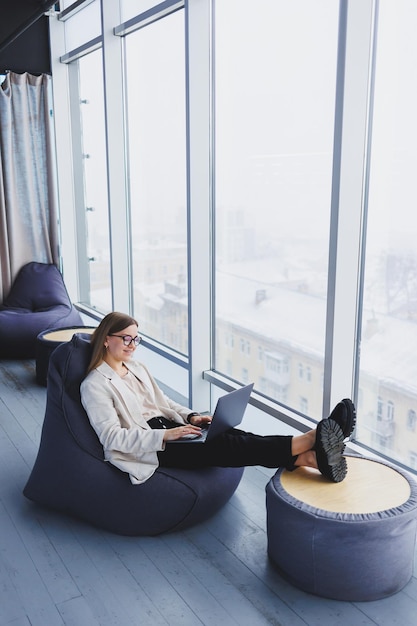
<point>119,412</point>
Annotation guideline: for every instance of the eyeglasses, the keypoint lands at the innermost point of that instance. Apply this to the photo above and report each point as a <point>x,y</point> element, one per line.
<point>127,339</point>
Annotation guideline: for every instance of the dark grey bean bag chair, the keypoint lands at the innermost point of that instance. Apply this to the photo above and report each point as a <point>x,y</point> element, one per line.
<point>37,300</point>
<point>70,474</point>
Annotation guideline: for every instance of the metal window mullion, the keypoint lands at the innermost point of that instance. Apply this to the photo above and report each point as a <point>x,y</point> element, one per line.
<point>147,17</point>
<point>366,194</point>
<point>86,48</point>
<point>79,184</point>
<point>113,69</point>
<point>74,8</point>
<point>199,151</point>
<point>352,104</point>
<point>63,144</point>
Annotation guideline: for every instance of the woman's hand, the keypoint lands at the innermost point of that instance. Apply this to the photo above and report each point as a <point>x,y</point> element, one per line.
<point>176,433</point>
<point>200,420</point>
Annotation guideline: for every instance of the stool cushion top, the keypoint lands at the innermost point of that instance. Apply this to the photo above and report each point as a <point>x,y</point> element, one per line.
<point>62,335</point>
<point>369,487</point>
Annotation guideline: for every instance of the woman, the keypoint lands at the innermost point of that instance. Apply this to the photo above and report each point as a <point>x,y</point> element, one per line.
<point>135,420</point>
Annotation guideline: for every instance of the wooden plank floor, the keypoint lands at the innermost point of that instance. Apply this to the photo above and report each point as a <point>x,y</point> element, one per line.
<point>55,570</point>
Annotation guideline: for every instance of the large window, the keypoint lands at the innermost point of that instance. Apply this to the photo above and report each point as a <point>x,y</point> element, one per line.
<point>299,121</point>
<point>275,77</point>
<point>95,262</point>
<point>388,365</point>
<point>155,62</point>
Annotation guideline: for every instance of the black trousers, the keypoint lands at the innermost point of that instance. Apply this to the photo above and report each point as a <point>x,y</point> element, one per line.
<point>235,448</point>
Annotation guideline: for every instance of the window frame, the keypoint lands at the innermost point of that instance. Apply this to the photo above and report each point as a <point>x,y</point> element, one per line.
<point>195,377</point>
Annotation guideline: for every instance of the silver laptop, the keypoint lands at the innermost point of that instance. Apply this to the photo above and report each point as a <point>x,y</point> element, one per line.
<point>229,413</point>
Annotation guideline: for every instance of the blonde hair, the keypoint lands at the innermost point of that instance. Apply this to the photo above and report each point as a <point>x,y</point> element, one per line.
<point>112,323</point>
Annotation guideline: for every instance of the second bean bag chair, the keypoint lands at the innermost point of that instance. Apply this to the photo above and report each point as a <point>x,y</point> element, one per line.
<point>37,300</point>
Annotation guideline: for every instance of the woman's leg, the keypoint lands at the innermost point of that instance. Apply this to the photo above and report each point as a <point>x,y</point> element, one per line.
<point>302,450</point>
<point>303,443</point>
<point>321,449</point>
<point>236,448</point>
<point>306,459</point>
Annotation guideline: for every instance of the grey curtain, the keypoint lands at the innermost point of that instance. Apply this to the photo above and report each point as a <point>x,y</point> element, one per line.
<point>28,204</point>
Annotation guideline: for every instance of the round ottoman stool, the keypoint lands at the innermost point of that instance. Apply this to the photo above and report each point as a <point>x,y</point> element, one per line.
<point>351,541</point>
<point>47,341</point>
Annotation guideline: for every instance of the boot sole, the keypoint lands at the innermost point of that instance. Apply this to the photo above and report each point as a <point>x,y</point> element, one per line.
<point>329,450</point>
<point>350,407</point>
<point>350,423</point>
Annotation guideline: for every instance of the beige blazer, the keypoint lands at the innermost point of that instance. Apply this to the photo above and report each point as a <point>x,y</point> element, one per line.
<point>112,408</point>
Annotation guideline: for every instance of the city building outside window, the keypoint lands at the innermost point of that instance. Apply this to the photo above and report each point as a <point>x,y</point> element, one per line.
<point>274,124</point>
<point>156,134</point>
